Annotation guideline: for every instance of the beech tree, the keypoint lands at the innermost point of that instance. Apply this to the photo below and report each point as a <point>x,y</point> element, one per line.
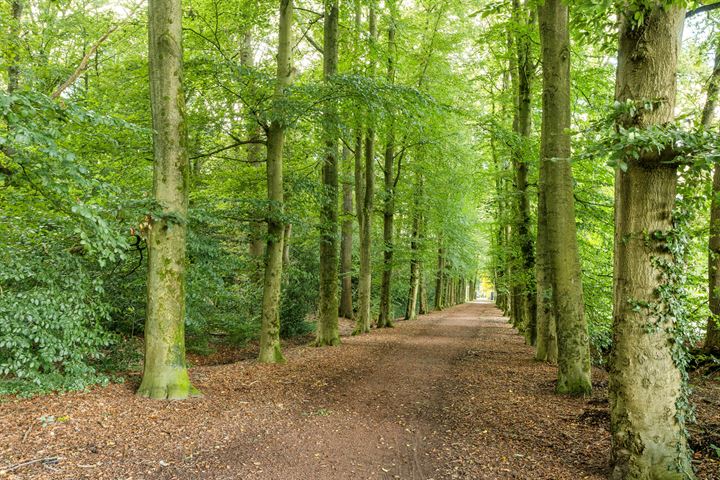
<point>522,74</point>
<point>276,227</point>
<point>327,325</point>
<point>556,217</point>
<point>707,120</point>
<point>365,196</point>
<point>646,385</point>
<point>165,373</point>
<point>385,318</point>
<point>346,242</point>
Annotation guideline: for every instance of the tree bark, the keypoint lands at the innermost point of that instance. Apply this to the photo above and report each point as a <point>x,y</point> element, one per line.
<point>287,235</point>
<point>364,314</point>
<point>411,312</point>
<point>501,266</point>
<point>546,344</point>
<point>439,279</point>
<point>385,318</point>
<point>524,295</point>
<point>423,308</point>
<point>13,78</point>
<point>328,332</point>
<point>165,375</point>
<point>346,243</point>
<point>648,433</point>
<point>13,69</point>
<point>561,251</point>
<point>712,335</point>
<point>270,348</point>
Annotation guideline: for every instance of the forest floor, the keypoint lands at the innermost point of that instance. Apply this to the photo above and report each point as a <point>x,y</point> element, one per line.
<point>452,395</point>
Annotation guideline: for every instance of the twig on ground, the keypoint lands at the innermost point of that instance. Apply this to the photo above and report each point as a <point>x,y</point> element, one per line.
<point>44,461</point>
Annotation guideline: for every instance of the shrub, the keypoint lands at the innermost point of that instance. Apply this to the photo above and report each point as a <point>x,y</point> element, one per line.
<point>51,316</point>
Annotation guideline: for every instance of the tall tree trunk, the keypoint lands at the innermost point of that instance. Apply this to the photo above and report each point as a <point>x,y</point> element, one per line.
<point>546,344</point>
<point>445,288</point>
<point>13,69</point>
<point>501,265</point>
<point>524,310</point>
<point>386,308</point>
<point>13,75</point>
<point>712,335</point>
<point>364,314</point>
<point>385,318</point>
<point>424,308</point>
<point>270,351</point>
<point>328,332</point>
<point>165,374</point>
<point>646,393</point>
<point>346,243</point>
<point>411,312</point>
<point>439,279</point>
<point>287,235</point>
<point>562,253</point>
<point>509,273</point>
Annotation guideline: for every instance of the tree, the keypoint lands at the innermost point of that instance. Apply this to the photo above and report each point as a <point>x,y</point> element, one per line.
<point>415,266</point>
<point>346,242</point>
<point>327,324</point>
<point>558,208</point>
<point>385,318</point>
<point>712,335</point>
<point>522,72</point>
<point>646,386</point>
<point>440,278</point>
<point>13,70</point>
<point>270,331</point>
<point>165,373</point>
<point>365,199</point>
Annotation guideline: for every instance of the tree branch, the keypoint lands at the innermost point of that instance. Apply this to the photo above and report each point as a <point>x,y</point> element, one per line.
<point>313,43</point>
<point>83,64</point>
<point>704,8</point>
<point>318,14</point>
<point>228,147</point>
<point>347,145</point>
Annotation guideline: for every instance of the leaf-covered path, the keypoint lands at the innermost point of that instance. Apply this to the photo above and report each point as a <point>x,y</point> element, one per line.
<point>454,394</point>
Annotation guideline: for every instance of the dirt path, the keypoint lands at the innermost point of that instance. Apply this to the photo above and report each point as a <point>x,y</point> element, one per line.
<point>452,395</point>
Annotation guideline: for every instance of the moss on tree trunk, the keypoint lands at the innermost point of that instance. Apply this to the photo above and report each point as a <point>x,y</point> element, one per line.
<point>385,318</point>
<point>270,351</point>
<point>561,253</point>
<point>165,374</point>
<point>328,332</point>
<point>365,206</point>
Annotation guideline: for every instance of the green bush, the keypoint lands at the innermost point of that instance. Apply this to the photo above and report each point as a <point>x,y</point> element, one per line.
<point>52,312</point>
<point>221,302</point>
<point>300,290</point>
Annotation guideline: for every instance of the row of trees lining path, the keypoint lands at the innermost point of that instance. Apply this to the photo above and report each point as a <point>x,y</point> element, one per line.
<point>648,400</point>
<point>536,267</point>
